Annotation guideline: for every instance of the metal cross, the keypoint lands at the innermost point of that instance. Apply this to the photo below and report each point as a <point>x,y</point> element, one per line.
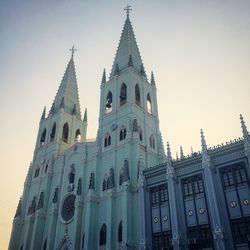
<point>128,9</point>
<point>72,50</point>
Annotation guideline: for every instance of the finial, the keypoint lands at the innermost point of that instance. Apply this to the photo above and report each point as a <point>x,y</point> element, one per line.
<point>128,9</point>
<point>192,151</point>
<point>177,157</point>
<point>169,152</point>
<point>72,51</point>
<point>203,142</point>
<point>85,117</point>
<point>244,128</point>
<point>181,152</point>
<point>104,76</point>
<point>152,78</point>
<point>44,113</point>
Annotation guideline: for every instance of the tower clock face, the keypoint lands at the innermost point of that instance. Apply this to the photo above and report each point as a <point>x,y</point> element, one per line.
<point>68,208</point>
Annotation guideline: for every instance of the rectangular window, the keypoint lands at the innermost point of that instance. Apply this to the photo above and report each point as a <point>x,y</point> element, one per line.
<point>162,241</point>
<point>192,186</point>
<point>241,230</point>
<point>159,195</point>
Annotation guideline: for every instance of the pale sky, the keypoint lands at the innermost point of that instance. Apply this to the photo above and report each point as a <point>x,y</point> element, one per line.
<point>199,51</point>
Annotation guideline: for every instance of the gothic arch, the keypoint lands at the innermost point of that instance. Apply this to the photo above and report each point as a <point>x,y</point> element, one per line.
<point>53,132</point>
<point>107,140</point>
<point>105,182</point>
<point>137,95</point>
<point>109,102</point>
<point>123,94</point>
<point>123,133</point>
<point>78,135</point>
<point>120,232</point>
<point>64,244</point>
<point>103,235</point>
<point>43,137</point>
<point>65,132</point>
<point>152,141</point>
<point>149,104</point>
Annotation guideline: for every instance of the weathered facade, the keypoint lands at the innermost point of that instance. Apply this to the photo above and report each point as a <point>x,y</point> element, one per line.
<point>120,191</point>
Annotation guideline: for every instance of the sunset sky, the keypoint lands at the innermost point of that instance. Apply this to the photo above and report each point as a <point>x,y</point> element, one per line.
<point>199,51</point>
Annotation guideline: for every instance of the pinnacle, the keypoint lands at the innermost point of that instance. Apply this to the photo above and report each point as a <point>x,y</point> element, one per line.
<point>203,142</point>
<point>104,76</point>
<point>244,128</point>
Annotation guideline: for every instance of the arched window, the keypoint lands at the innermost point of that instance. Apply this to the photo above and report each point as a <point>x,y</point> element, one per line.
<point>65,133</point>
<point>149,104</point>
<point>21,248</point>
<point>152,142</point>
<point>120,232</point>
<point>37,172</point>
<point>140,134</point>
<point>105,183</point>
<point>78,135</point>
<point>124,173</point>
<point>109,101</point>
<point>53,132</point>
<point>71,175</point>
<point>107,140</point>
<point>123,94</point>
<point>43,137</point>
<point>123,134</point>
<point>83,239</point>
<point>103,235</point>
<point>45,244</point>
<point>137,95</point>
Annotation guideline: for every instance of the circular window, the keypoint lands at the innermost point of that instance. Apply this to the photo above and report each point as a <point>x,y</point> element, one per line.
<point>68,208</point>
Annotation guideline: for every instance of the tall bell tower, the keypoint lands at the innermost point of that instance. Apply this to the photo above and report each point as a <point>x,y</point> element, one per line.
<point>128,140</point>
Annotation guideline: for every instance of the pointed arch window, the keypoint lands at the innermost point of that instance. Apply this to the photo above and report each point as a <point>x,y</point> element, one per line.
<point>120,232</point>
<point>124,174</point>
<point>149,104</point>
<point>45,244</point>
<point>78,135</point>
<point>105,183</point>
<point>123,94</point>
<point>103,235</point>
<point>107,140</point>
<point>65,133</point>
<point>109,102</point>
<point>140,134</point>
<point>123,132</point>
<point>152,142</point>
<point>43,137</point>
<point>37,172</point>
<point>71,175</point>
<point>53,132</point>
<point>137,95</point>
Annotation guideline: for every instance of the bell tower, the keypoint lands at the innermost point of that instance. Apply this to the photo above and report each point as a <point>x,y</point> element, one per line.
<point>128,140</point>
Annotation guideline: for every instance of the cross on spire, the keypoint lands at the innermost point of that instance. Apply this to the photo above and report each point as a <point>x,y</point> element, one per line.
<point>72,50</point>
<point>128,9</point>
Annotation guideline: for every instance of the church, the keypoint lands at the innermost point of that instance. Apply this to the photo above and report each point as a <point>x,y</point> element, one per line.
<point>121,191</point>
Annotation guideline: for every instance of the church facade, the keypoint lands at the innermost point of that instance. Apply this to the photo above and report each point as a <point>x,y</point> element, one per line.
<point>121,191</point>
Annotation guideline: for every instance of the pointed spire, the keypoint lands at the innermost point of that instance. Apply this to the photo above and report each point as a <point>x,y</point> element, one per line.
<point>169,156</point>
<point>85,117</point>
<point>127,47</point>
<point>104,77</point>
<point>203,143</point>
<point>181,153</point>
<point>44,113</point>
<point>244,128</point>
<point>177,157</point>
<point>67,94</point>
<point>152,81</point>
<point>192,151</point>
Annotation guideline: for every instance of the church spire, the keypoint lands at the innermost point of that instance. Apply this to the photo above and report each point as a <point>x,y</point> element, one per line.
<point>67,94</point>
<point>244,128</point>
<point>127,54</point>
<point>44,113</point>
<point>104,77</point>
<point>85,117</point>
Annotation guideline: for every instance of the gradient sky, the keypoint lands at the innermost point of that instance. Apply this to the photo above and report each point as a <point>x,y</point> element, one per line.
<point>199,51</point>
